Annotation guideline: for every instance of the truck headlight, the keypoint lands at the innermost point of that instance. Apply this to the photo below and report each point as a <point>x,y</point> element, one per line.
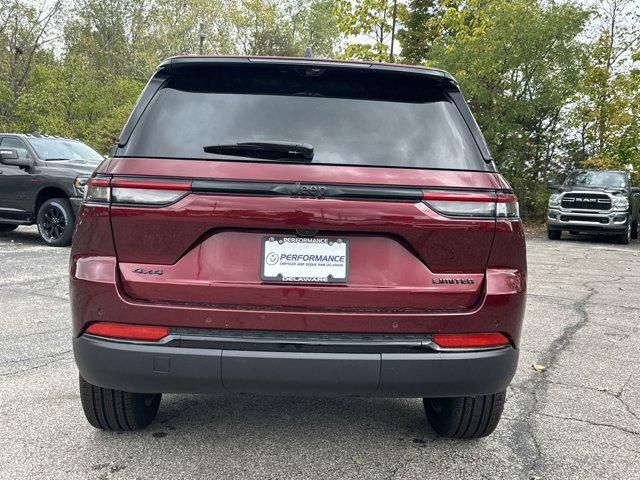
<point>554,200</point>
<point>79,183</point>
<point>620,203</point>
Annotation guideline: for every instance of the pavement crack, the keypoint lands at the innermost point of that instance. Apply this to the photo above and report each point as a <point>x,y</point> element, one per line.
<point>526,443</point>
<point>33,334</point>
<point>589,422</point>
<point>33,293</point>
<point>54,358</point>
<point>616,395</point>
<point>394,471</point>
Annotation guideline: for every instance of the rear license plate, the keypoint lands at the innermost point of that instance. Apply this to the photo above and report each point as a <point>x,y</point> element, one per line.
<point>293,259</point>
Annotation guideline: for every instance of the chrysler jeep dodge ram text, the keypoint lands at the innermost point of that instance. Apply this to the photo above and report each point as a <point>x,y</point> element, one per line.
<point>298,227</point>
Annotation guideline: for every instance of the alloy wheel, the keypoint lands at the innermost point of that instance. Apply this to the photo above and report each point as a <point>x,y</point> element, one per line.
<point>53,223</point>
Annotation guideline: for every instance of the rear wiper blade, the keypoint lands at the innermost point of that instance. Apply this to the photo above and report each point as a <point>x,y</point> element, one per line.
<point>267,150</point>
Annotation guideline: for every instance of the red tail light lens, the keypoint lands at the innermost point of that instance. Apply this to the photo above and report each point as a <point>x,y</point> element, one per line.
<point>472,204</point>
<point>470,340</point>
<point>126,331</point>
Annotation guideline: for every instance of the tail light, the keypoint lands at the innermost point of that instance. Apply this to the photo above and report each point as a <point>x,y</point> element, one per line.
<point>97,190</point>
<point>472,204</point>
<point>470,340</point>
<point>127,331</point>
<point>135,192</point>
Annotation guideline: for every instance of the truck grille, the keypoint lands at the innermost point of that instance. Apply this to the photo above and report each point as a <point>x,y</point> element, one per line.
<point>586,201</point>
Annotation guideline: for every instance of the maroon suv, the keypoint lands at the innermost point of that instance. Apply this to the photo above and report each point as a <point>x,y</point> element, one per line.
<point>298,227</point>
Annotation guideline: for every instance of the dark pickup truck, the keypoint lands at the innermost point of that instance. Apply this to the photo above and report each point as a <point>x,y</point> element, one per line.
<point>42,181</point>
<point>594,201</point>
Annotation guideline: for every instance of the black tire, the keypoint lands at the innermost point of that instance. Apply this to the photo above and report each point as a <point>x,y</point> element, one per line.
<point>624,238</point>
<point>554,234</point>
<point>7,227</point>
<point>634,230</point>
<point>56,222</point>
<point>465,417</point>
<point>108,409</point>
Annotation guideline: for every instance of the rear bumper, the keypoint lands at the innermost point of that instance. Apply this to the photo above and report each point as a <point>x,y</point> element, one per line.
<point>161,368</point>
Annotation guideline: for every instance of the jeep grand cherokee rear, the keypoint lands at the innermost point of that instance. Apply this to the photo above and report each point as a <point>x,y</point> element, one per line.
<point>302,227</point>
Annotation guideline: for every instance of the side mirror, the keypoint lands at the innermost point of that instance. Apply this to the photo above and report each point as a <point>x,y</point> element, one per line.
<point>635,189</point>
<point>9,156</point>
<point>551,185</point>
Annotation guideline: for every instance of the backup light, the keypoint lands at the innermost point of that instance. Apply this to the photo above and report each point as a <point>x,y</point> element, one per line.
<point>127,331</point>
<point>134,192</point>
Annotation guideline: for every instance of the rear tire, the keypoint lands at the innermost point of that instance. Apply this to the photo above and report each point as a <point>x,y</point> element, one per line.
<point>108,409</point>
<point>554,234</point>
<point>7,227</point>
<point>56,222</point>
<point>465,417</point>
<point>634,230</point>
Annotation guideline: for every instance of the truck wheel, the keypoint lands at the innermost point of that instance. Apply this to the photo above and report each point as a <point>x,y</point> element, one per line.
<point>465,417</point>
<point>108,409</point>
<point>56,222</point>
<point>624,238</point>
<point>554,234</point>
<point>634,229</point>
<point>7,227</point>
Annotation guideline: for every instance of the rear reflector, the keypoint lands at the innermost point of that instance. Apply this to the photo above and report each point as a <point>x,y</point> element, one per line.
<point>130,332</point>
<point>469,340</point>
<point>472,204</point>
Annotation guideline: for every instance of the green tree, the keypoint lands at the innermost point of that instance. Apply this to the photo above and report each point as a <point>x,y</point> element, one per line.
<point>607,114</point>
<point>519,63</point>
<point>422,28</point>
<point>371,24</point>
<point>25,31</point>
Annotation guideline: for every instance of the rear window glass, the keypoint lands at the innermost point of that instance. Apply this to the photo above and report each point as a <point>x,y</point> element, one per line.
<point>351,117</point>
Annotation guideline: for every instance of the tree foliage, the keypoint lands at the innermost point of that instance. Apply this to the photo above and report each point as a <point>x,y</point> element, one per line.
<point>548,93</point>
<point>371,21</point>
<point>77,69</point>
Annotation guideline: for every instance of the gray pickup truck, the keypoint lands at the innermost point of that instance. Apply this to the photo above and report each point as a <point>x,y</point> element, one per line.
<point>594,201</point>
<point>42,181</point>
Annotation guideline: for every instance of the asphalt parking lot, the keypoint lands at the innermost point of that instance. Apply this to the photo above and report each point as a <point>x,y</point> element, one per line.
<point>580,418</point>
